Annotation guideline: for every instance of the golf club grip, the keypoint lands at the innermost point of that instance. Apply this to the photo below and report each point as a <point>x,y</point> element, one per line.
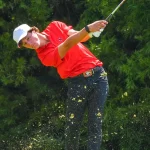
<point>97,34</point>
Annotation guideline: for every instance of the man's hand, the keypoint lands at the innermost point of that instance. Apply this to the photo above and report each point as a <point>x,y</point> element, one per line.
<point>97,25</point>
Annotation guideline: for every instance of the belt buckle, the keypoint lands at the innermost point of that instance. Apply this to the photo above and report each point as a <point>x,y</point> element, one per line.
<point>88,73</point>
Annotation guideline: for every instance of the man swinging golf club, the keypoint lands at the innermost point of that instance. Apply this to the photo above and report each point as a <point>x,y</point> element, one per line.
<point>61,46</point>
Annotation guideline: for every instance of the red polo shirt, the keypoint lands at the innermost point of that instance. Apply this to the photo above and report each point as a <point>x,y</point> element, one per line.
<point>77,60</point>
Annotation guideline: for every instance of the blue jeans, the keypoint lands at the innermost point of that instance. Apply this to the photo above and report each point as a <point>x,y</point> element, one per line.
<point>91,93</point>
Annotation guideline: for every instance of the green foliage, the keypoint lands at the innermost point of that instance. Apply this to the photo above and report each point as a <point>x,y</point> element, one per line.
<point>32,97</point>
<point>127,126</point>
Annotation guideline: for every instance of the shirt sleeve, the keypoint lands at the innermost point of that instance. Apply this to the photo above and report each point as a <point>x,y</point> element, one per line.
<point>63,26</point>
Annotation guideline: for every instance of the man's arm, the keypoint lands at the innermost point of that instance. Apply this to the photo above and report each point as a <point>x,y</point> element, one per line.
<point>72,31</point>
<point>77,37</point>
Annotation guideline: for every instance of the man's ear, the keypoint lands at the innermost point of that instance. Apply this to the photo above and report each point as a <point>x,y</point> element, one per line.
<point>35,29</point>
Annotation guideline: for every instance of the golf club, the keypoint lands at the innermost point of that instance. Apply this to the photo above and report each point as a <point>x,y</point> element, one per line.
<point>97,34</point>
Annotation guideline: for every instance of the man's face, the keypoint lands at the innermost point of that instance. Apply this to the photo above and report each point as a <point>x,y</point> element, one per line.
<point>31,40</point>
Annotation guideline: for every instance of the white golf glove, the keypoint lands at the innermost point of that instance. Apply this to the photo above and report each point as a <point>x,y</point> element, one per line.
<point>96,34</point>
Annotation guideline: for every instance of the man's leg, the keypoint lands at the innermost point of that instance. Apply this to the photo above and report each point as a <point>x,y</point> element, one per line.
<point>75,107</point>
<point>95,110</point>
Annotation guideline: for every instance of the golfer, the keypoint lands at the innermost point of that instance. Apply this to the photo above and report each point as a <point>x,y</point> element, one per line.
<point>61,46</point>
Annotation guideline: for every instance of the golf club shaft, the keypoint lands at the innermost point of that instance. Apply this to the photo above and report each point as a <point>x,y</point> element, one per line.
<point>97,34</point>
<point>114,10</point>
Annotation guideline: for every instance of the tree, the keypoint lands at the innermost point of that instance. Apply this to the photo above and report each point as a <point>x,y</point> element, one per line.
<point>32,97</point>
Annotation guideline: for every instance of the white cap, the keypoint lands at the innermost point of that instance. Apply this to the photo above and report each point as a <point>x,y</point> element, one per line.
<point>20,32</point>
